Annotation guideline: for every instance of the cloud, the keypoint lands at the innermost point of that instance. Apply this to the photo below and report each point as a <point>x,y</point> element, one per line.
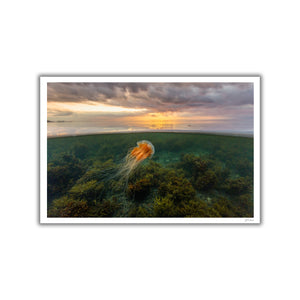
<point>222,105</point>
<point>59,113</point>
<point>155,97</point>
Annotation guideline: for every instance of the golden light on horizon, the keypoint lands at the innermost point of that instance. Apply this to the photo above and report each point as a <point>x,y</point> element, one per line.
<point>170,120</point>
<point>93,108</point>
<point>109,115</point>
<point>174,117</point>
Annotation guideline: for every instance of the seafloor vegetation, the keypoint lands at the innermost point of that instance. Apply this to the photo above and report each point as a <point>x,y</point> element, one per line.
<point>190,175</point>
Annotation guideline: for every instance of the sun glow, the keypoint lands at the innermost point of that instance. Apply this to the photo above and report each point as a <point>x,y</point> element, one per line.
<point>90,107</point>
<point>167,118</point>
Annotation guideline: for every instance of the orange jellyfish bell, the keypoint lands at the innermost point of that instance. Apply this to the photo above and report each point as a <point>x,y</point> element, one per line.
<point>134,157</point>
<point>143,150</point>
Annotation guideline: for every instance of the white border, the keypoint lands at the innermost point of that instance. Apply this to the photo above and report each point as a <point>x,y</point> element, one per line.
<point>43,152</point>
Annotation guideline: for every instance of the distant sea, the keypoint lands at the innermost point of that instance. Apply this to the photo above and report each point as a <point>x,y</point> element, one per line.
<point>67,128</point>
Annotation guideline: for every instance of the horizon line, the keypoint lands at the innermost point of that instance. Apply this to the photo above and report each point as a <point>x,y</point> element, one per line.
<point>239,134</point>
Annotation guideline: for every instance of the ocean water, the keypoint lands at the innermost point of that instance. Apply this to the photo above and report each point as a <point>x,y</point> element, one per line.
<point>66,128</point>
<point>190,175</point>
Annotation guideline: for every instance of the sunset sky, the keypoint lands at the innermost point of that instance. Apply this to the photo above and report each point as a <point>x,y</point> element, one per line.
<point>184,106</point>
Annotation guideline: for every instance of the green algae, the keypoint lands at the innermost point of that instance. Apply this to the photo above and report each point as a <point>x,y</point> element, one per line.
<point>190,175</point>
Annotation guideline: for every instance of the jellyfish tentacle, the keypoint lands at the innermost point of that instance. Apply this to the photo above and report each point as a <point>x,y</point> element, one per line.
<point>132,160</point>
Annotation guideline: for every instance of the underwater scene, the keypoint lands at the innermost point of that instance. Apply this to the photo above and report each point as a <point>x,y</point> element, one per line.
<point>151,175</point>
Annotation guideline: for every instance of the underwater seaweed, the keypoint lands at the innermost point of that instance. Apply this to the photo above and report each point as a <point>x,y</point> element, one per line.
<point>195,176</point>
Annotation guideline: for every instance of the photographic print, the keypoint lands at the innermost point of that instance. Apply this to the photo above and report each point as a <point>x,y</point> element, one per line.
<point>150,149</point>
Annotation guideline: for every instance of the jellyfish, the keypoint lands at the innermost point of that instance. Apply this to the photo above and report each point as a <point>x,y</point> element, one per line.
<point>134,157</point>
<point>115,178</point>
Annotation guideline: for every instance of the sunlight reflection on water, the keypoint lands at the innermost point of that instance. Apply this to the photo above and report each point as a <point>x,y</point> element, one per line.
<point>55,129</point>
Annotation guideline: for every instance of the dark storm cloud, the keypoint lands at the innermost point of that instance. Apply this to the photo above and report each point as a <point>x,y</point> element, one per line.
<point>156,97</point>
<point>79,92</point>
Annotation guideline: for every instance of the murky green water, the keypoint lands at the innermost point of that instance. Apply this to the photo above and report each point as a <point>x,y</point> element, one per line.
<point>190,175</point>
